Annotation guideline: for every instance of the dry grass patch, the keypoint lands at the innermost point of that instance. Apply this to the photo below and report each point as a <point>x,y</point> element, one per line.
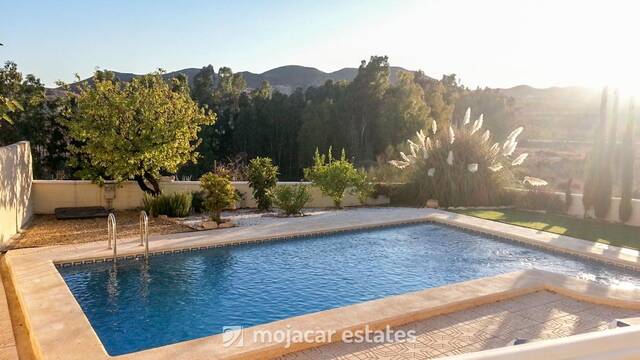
<point>46,230</point>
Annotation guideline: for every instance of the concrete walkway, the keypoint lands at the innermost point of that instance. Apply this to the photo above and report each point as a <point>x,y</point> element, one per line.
<point>8,349</point>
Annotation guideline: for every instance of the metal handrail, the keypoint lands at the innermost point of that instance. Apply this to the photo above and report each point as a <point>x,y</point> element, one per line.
<point>112,236</point>
<point>144,233</point>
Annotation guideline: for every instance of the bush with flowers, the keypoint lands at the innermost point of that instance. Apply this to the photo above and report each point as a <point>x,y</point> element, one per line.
<point>463,165</point>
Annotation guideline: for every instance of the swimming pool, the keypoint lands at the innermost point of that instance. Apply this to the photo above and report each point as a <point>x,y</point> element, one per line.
<point>184,296</point>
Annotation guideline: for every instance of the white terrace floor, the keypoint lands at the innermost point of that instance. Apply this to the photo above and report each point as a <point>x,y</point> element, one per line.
<point>60,330</point>
<point>537,316</point>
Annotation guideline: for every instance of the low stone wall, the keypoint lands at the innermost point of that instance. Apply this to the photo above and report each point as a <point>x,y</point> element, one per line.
<point>15,189</point>
<point>577,209</point>
<point>51,194</point>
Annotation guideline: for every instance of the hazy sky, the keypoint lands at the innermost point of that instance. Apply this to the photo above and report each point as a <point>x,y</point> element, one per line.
<point>488,43</point>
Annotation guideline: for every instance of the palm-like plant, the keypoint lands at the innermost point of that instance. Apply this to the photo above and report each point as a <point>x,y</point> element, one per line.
<point>461,166</point>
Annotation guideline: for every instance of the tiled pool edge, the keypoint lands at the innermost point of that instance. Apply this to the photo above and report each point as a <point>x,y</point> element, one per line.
<point>35,272</point>
<point>395,311</point>
<point>607,254</point>
<point>80,327</point>
<point>485,227</point>
<point>302,235</point>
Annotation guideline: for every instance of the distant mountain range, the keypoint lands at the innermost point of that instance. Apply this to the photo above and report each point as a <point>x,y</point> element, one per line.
<point>285,79</point>
<point>556,112</point>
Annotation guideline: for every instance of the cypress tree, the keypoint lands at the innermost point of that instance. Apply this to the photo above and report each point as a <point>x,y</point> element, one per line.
<point>594,160</point>
<point>602,203</point>
<point>628,157</point>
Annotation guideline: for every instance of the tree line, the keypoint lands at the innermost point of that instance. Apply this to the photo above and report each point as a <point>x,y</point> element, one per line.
<point>368,117</point>
<point>602,167</point>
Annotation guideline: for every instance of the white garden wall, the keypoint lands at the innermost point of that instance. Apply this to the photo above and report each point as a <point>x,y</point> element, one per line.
<point>577,209</point>
<point>15,189</point>
<point>51,194</point>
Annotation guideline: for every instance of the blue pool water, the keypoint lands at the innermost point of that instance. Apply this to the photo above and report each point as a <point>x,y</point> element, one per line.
<point>184,296</point>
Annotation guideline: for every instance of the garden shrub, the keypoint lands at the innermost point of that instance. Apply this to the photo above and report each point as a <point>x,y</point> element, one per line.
<point>262,176</point>
<point>334,176</point>
<point>461,166</point>
<point>400,194</point>
<point>363,188</point>
<point>291,198</point>
<point>539,200</point>
<point>148,203</point>
<point>197,203</point>
<point>508,197</point>
<point>172,205</point>
<point>219,194</point>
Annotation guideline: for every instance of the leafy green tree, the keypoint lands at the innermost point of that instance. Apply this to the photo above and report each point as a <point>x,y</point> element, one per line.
<point>366,97</point>
<point>230,87</point>
<point>322,121</point>
<point>263,177</point>
<point>627,164</point>
<point>219,194</point>
<point>180,84</point>
<point>10,82</point>
<point>268,125</point>
<point>220,93</point>
<point>203,86</point>
<point>335,176</point>
<point>264,91</point>
<point>440,96</point>
<point>8,106</point>
<point>36,121</point>
<point>404,112</point>
<point>135,130</point>
<point>245,129</point>
<point>499,110</point>
<point>227,106</point>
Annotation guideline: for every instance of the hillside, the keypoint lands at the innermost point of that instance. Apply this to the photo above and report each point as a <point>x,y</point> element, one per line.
<point>550,113</point>
<point>556,112</point>
<point>285,79</point>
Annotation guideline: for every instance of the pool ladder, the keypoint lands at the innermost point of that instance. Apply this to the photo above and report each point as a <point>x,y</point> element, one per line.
<point>144,233</point>
<point>112,234</point>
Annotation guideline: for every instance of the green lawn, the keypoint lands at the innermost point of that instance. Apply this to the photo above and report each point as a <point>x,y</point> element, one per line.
<point>613,234</point>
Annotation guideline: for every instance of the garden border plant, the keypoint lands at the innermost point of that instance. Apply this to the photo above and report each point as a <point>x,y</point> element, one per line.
<point>335,176</point>
<point>262,176</point>
<point>171,205</point>
<point>460,167</point>
<point>291,198</point>
<point>219,194</point>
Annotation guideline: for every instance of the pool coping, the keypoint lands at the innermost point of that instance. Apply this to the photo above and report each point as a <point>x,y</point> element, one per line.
<point>59,328</point>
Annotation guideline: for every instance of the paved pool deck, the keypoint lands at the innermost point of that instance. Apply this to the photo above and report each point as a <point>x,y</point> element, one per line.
<point>59,329</point>
<point>8,348</point>
<point>537,316</point>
